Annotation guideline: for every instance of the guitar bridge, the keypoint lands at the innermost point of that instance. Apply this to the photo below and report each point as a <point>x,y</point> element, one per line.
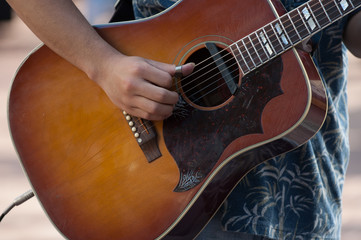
<point>145,135</point>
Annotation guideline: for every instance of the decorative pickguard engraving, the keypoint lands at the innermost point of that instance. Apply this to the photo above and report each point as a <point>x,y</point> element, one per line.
<point>197,138</point>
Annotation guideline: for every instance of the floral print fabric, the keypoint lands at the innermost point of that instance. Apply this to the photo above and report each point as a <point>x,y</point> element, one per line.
<point>296,195</point>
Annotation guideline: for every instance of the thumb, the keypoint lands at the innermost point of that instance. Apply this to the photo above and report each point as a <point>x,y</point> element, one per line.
<point>187,69</point>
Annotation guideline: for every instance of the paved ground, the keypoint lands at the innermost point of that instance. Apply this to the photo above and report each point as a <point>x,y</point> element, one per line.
<point>28,222</point>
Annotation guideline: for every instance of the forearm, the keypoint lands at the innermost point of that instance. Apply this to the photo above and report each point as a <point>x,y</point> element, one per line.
<point>62,27</point>
<point>352,35</point>
<point>141,87</point>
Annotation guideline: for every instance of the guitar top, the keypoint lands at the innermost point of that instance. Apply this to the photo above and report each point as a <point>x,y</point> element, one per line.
<point>100,173</point>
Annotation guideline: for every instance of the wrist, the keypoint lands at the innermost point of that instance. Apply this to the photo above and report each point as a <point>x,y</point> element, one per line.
<point>100,62</point>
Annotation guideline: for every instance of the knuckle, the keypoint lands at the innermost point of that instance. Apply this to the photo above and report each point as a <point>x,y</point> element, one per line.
<point>138,68</point>
<point>162,96</point>
<point>148,116</point>
<point>173,98</point>
<point>168,81</point>
<point>153,108</point>
<point>157,112</point>
<point>167,97</point>
<point>128,85</point>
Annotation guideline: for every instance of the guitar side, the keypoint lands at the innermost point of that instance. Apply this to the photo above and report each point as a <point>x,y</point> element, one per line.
<point>83,161</point>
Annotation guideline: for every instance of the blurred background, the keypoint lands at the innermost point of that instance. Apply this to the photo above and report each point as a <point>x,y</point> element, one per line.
<point>29,222</point>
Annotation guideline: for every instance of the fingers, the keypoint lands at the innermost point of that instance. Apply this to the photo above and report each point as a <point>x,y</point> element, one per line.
<point>142,87</point>
<point>187,69</point>
<point>148,109</point>
<point>157,73</point>
<point>158,94</point>
<point>158,81</point>
<point>161,68</point>
<point>154,99</point>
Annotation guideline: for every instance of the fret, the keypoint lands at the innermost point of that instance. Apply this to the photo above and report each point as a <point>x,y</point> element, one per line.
<point>331,9</point>
<point>275,34</point>
<point>266,43</point>
<point>346,6</point>
<point>294,26</point>
<point>325,10</point>
<point>261,44</point>
<point>263,56</point>
<point>241,61</point>
<point>320,14</point>
<point>299,24</point>
<point>253,50</point>
<point>342,6</point>
<point>269,43</point>
<point>272,36</point>
<point>313,15</point>
<point>310,18</point>
<point>338,8</point>
<point>243,57</point>
<point>240,50</point>
<point>246,55</point>
<point>249,54</point>
<point>287,31</point>
<point>290,29</point>
<point>281,34</point>
<point>303,20</point>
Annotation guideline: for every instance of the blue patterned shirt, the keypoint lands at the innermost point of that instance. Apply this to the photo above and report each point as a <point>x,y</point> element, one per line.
<point>296,195</point>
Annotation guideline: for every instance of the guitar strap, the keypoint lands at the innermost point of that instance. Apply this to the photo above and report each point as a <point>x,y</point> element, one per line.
<point>123,11</point>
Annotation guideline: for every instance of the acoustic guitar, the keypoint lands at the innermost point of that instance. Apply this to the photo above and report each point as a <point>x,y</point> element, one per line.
<point>100,173</point>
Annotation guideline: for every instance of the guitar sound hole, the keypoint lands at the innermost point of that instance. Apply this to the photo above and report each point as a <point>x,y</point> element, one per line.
<point>207,86</point>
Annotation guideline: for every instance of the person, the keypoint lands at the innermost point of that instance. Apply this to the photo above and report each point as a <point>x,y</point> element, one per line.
<point>294,196</point>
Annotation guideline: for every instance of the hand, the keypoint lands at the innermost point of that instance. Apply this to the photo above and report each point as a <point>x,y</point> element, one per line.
<point>141,87</point>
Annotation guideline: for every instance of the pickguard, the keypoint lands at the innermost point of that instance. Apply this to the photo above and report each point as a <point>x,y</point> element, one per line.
<point>197,138</point>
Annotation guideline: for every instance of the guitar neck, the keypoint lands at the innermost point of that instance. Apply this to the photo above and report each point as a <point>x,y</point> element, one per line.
<point>289,30</point>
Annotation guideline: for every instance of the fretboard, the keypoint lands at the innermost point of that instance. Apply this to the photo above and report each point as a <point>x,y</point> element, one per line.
<point>289,30</point>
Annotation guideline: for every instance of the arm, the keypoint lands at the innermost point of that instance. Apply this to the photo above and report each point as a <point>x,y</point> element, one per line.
<point>352,35</point>
<point>138,86</point>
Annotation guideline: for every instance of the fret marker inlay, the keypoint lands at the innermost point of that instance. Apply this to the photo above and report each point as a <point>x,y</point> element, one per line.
<point>266,45</point>
<point>308,18</point>
<point>289,30</point>
<point>281,34</point>
<point>344,4</point>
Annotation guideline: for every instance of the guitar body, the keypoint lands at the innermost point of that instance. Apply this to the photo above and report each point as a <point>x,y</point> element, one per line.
<point>89,172</point>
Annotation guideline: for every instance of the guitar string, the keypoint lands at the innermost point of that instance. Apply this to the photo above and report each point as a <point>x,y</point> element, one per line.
<point>336,10</point>
<point>316,3</point>
<point>261,54</point>
<point>256,45</point>
<point>316,16</point>
<point>255,65</point>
